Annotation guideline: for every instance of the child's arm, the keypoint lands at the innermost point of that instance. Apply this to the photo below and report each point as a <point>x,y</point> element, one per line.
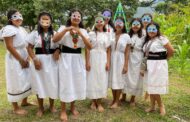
<point>170,50</point>
<point>37,62</point>
<point>57,37</point>
<point>108,58</point>
<point>9,44</point>
<point>87,57</point>
<point>127,50</point>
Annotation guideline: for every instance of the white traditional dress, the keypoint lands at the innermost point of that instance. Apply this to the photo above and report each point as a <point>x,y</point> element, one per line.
<point>156,81</point>
<point>18,84</point>
<point>72,72</point>
<point>97,77</point>
<point>45,80</point>
<point>134,82</point>
<point>117,79</point>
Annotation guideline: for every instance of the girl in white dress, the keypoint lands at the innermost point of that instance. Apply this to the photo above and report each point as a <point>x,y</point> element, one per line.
<point>119,60</point>
<point>107,14</point>
<point>17,61</point>
<point>134,80</point>
<point>160,50</point>
<point>146,19</point>
<point>45,81</point>
<point>72,73</point>
<point>97,64</point>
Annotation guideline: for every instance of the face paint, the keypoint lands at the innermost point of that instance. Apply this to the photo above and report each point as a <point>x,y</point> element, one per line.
<point>136,24</point>
<point>146,18</point>
<point>99,20</point>
<point>45,23</point>
<point>119,22</point>
<point>16,17</point>
<point>106,15</point>
<point>76,16</point>
<point>152,28</point>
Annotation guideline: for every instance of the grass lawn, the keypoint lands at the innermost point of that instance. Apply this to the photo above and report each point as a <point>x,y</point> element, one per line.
<point>177,104</point>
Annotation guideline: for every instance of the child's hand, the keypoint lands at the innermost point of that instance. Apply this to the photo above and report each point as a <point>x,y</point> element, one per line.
<point>125,69</point>
<point>142,73</point>
<point>37,64</point>
<point>24,63</point>
<point>56,55</point>
<point>88,67</point>
<point>107,66</point>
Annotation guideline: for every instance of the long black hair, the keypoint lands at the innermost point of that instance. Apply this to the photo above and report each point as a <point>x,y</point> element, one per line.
<point>131,32</point>
<point>147,38</point>
<point>9,15</point>
<point>40,29</point>
<point>110,21</point>
<point>68,23</point>
<point>124,28</point>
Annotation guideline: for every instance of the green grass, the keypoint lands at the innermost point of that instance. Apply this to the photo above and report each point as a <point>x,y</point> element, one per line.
<point>177,103</point>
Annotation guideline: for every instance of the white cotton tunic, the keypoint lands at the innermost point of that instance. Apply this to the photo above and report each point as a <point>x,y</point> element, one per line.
<point>156,78</point>
<point>117,79</point>
<point>45,80</point>
<point>134,79</point>
<point>18,84</point>
<point>97,77</point>
<point>72,72</point>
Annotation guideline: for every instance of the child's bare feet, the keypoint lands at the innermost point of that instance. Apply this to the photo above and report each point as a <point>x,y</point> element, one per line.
<point>40,112</point>
<point>100,108</point>
<point>146,96</point>
<point>112,103</point>
<point>93,106</point>
<point>63,116</point>
<point>115,105</point>
<point>20,111</point>
<point>151,109</point>
<point>122,100</point>
<point>162,110</point>
<point>53,109</point>
<point>74,112</point>
<point>132,104</point>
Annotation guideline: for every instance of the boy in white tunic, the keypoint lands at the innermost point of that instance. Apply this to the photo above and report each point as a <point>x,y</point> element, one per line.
<point>45,81</point>
<point>97,65</point>
<point>17,61</point>
<point>72,73</point>
<point>157,49</point>
<point>119,60</point>
<point>134,80</point>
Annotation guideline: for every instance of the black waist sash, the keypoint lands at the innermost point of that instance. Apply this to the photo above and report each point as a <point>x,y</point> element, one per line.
<point>41,51</point>
<point>66,49</point>
<point>157,55</point>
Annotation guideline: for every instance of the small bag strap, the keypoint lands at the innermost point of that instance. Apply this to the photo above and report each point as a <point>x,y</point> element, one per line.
<point>148,48</point>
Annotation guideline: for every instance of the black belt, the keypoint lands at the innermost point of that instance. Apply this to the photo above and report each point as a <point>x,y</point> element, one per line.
<point>66,49</point>
<point>157,56</point>
<point>40,51</point>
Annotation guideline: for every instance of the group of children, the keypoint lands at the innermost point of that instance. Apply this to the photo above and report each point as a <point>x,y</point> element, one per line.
<point>50,64</point>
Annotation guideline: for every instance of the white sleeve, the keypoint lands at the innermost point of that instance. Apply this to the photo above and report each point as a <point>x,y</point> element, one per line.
<point>164,40</point>
<point>92,38</point>
<point>9,31</point>
<point>125,40</point>
<point>61,28</point>
<point>31,38</point>
<point>86,34</point>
